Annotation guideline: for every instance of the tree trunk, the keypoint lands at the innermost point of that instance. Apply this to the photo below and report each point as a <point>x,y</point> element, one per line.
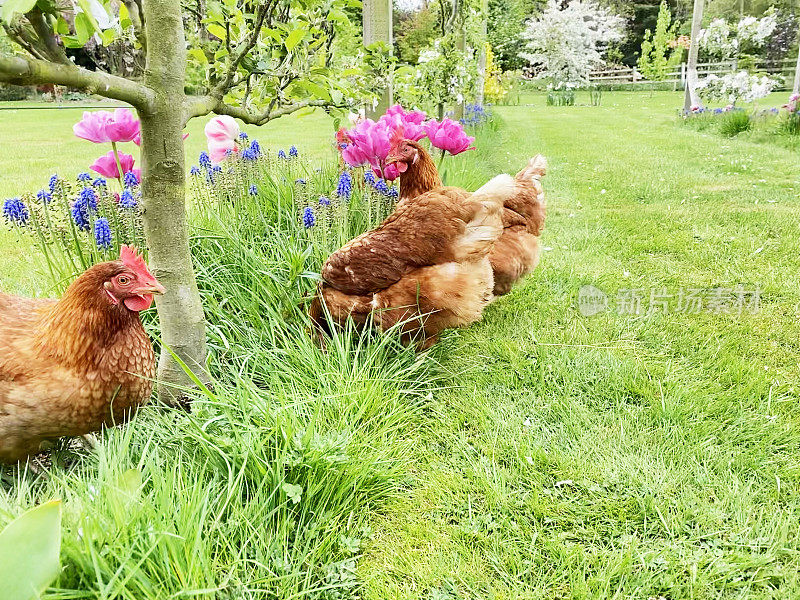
<point>479,99</point>
<point>461,46</point>
<point>377,21</point>
<point>691,98</point>
<point>796,86</point>
<point>163,188</point>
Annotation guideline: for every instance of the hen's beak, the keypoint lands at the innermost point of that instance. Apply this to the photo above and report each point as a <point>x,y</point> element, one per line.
<point>151,288</point>
<point>392,158</point>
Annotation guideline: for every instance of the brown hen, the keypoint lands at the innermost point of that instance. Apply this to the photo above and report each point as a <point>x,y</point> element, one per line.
<point>516,252</point>
<point>426,267</point>
<point>70,366</point>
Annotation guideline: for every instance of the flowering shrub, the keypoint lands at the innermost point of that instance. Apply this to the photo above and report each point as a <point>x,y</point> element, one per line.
<point>791,122</point>
<point>565,44</point>
<point>736,86</point>
<point>722,40</point>
<point>443,75</point>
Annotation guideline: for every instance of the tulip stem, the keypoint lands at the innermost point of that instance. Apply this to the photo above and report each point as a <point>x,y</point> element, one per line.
<point>119,164</point>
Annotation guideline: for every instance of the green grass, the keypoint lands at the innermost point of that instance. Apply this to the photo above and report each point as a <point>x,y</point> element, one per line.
<point>537,454</point>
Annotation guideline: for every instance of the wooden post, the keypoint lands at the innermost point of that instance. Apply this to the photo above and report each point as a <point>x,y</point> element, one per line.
<point>796,86</point>
<point>377,21</point>
<point>691,98</point>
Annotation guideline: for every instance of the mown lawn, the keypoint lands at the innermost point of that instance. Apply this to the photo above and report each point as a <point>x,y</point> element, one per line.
<point>619,455</point>
<point>558,455</point>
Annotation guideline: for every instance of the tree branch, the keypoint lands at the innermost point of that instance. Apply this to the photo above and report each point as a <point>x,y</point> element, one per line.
<point>30,71</point>
<point>52,49</point>
<point>218,91</point>
<point>203,106</point>
<point>134,12</point>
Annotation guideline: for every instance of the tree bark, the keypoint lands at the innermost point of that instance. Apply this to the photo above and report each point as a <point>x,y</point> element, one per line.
<point>479,99</point>
<point>691,98</point>
<point>180,310</point>
<point>796,86</point>
<point>461,46</point>
<point>377,21</point>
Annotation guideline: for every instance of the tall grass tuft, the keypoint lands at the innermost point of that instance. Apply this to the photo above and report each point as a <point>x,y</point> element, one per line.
<point>734,122</point>
<point>266,489</point>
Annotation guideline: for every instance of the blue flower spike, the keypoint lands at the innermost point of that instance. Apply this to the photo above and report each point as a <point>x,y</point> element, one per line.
<point>126,200</point>
<point>131,180</point>
<point>15,212</point>
<point>345,186</point>
<point>102,233</point>
<point>308,218</point>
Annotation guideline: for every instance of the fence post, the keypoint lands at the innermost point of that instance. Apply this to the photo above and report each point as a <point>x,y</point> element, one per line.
<point>683,75</point>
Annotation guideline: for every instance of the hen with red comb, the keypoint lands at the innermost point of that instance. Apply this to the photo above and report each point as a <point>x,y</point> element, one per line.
<point>71,366</point>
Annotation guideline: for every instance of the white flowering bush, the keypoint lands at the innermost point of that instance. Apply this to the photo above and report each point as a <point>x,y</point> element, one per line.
<point>736,86</point>
<point>722,40</point>
<point>756,31</point>
<point>716,39</point>
<point>564,45</point>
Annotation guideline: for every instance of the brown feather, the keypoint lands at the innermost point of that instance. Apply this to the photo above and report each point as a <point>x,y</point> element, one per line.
<point>69,367</point>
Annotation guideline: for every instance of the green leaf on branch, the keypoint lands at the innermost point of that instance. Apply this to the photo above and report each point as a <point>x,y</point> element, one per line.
<point>108,36</point>
<point>83,29</point>
<point>314,89</point>
<point>29,552</point>
<point>62,27</point>
<point>12,7</point>
<point>294,38</point>
<point>198,55</point>
<point>124,17</point>
<point>217,31</point>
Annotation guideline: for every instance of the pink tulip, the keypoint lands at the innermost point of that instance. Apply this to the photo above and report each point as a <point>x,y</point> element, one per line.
<point>369,143</point>
<point>392,171</point>
<point>103,126</point>
<point>123,126</point>
<point>93,126</point>
<point>449,136</point>
<point>408,123</point>
<point>107,165</point>
<point>222,133</point>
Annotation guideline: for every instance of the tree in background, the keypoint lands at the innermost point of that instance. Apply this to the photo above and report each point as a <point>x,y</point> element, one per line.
<point>494,90</point>
<point>658,56</point>
<point>261,61</point>
<point>446,72</point>
<point>414,31</point>
<point>565,44</point>
<point>506,24</point>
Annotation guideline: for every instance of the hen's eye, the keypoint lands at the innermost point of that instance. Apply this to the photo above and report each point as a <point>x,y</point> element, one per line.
<point>123,280</point>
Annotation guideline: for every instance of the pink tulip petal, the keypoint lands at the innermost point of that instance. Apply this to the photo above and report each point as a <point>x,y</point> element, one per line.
<point>107,165</point>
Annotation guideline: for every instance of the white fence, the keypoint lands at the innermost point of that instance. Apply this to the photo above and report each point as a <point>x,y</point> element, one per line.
<point>677,76</point>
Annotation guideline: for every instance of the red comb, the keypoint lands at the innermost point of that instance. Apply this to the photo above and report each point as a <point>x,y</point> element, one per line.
<point>132,259</point>
<point>397,136</point>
